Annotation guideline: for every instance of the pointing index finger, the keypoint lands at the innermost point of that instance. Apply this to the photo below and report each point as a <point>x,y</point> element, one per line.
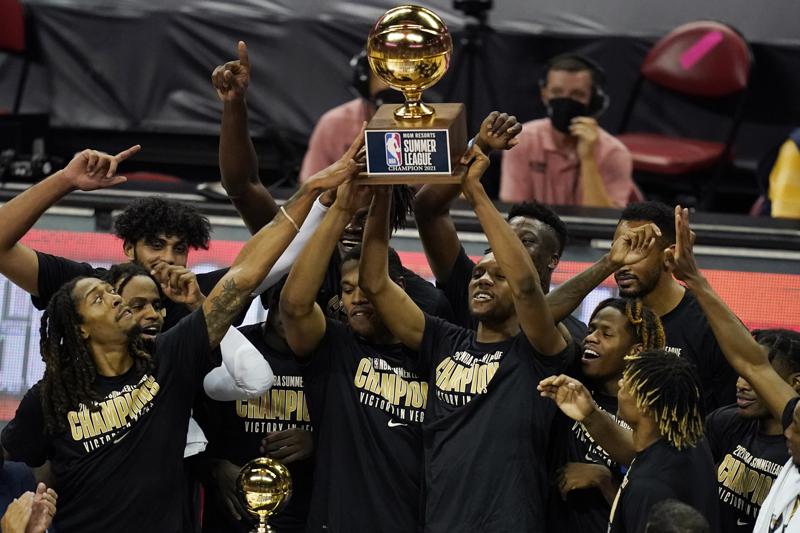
<point>244,58</point>
<point>125,154</point>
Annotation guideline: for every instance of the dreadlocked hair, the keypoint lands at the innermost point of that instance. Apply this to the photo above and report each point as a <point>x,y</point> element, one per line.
<point>70,372</point>
<point>643,324</point>
<point>666,387</point>
<point>402,206</point>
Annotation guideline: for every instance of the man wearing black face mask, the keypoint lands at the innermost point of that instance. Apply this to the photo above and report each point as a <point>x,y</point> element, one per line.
<point>567,159</point>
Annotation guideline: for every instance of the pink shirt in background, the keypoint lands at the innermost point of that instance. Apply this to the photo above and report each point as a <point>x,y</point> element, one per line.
<point>333,135</point>
<point>536,170</point>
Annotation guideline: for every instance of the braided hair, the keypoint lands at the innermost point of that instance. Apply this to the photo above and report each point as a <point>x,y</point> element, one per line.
<point>70,371</point>
<point>666,387</point>
<point>402,206</point>
<point>783,345</point>
<point>643,324</point>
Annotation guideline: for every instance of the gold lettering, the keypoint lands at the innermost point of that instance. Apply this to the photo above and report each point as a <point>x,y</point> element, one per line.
<point>110,418</point>
<point>466,378</point>
<point>364,367</point>
<point>443,373</point>
<point>252,409</point>
<point>387,387</point>
<point>401,390</point>
<point>241,408</point>
<point>122,409</point>
<point>737,485</point>
<point>751,481</point>
<point>724,469</point>
<point>74,425</point>
<point>86,423</point>
<point>291,403</point>
<point>373,383</point>
<point>144,392</point>
<point>761,494</point>
<point>306,417</point>
<point>278,402</point>
<point>97,420</point>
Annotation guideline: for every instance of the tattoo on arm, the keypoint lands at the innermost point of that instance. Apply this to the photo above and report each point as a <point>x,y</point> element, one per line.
<point>225,307</point>
<point>567,297</point>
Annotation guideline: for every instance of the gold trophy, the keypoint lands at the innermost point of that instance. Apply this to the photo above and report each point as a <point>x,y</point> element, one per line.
<point>265,486</point>
<point>409,48</point>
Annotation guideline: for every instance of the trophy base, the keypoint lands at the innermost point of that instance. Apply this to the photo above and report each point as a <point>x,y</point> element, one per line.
<point>371,179</point>
<point>425,150</point>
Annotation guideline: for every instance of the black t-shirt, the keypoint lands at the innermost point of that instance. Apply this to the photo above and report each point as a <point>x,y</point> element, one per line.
<point>747,464</point>
<point>584,510</point>
<point>367,405</point>
<point>55,271</point>
<point>242,424</point>
<point>456,289</point>
<point>689,335</point>
<point>663,472</point>
<point>486,431</point>
<point>427,297</point>
<point>121,468</point>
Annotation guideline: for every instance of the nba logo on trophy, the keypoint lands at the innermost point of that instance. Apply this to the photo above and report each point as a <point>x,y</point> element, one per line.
<point>394,154</point>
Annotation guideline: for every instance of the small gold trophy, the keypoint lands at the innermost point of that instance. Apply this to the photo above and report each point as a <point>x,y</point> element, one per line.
<point>265,486</point>
<point>409,48</point>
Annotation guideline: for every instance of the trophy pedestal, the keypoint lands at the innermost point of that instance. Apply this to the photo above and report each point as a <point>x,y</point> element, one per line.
<point>415,151</point>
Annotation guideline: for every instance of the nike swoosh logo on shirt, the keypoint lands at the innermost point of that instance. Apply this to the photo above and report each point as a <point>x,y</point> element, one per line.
<point>740,523</point>
<point>118,439</point>
<point>393,424</point>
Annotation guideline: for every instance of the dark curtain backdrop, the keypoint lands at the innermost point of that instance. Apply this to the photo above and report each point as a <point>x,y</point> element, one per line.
<point>143,65</point>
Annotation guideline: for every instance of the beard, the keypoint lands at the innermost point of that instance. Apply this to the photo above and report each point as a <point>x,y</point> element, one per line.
<point>137,344</point>
<point>644,286</point>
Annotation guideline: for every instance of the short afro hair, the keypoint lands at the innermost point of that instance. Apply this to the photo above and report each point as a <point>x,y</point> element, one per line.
<point>121,274</point>
<point>658,213</point>
<point>395,266</point>
<point>147,218</point>
<point>544,214</point>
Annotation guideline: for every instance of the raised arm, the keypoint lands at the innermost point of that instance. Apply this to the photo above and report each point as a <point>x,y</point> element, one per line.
<point>238,163</point>
<point>289,257</point>
<point>629,248</point>
<point>575,401</point>
<point>514,261</point>
<point>302,318</point>
<point>261,252</point>
<point>745,355</point>
<point>432,203</point>
<point>397,310</point>
<point>87,171</point>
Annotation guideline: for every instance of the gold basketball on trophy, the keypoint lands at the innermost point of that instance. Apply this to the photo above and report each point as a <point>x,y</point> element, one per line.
<point>409,48</point>
<point>265,486</point>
